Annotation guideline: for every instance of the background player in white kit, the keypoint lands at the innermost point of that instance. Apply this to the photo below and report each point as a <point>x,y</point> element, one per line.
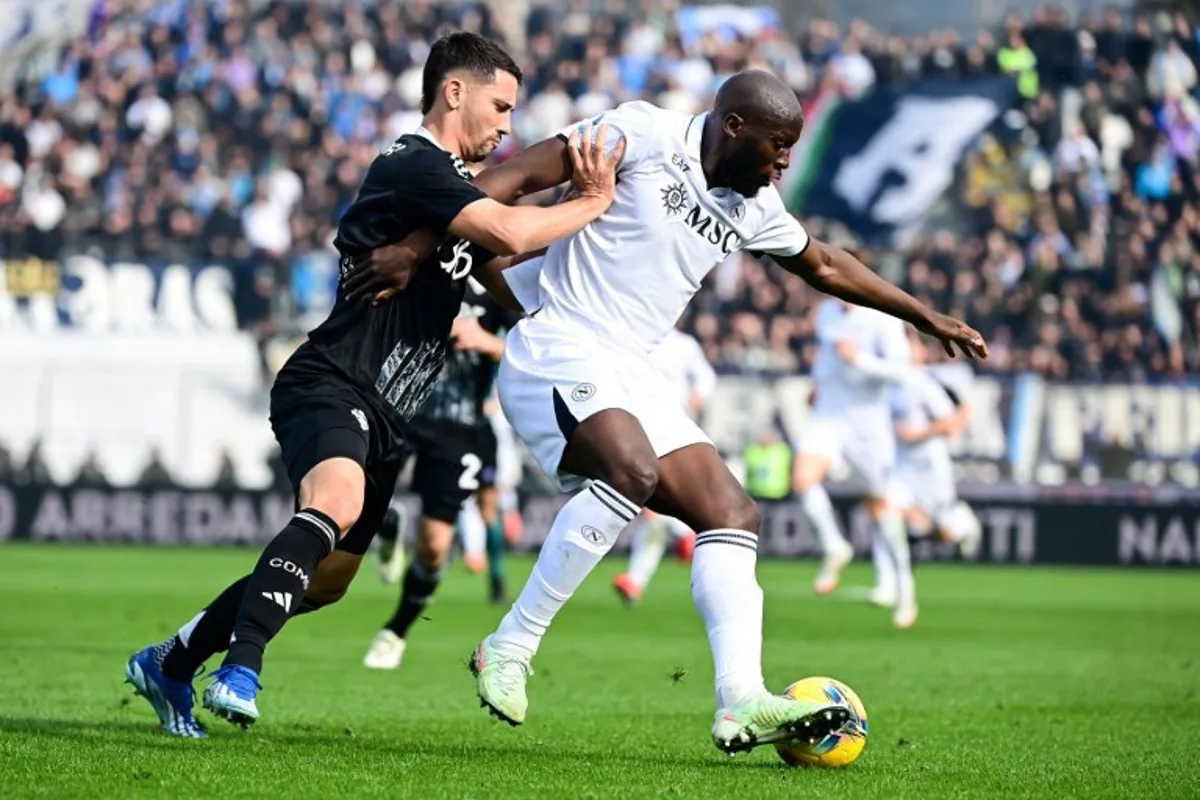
<point>862,354</point>
<point>928,409</point>
<point>692,379</point>
<point>577,386</point>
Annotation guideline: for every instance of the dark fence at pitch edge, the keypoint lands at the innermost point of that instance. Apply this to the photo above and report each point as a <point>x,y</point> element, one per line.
<point>1017,530</point>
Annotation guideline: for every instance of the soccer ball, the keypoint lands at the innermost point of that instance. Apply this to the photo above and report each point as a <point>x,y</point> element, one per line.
<point>842,746</point>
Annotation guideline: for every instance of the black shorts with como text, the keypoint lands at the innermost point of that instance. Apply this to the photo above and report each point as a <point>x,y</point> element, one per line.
<point>318,414</point>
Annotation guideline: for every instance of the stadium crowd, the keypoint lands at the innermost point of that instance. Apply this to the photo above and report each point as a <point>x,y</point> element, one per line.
<point>238,130</point>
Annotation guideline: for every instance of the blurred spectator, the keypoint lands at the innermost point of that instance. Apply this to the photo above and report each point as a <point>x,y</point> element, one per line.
<point>1017,60</point>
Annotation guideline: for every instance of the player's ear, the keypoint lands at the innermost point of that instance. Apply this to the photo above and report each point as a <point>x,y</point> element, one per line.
<point>734,125</point>
<point>453,92</point>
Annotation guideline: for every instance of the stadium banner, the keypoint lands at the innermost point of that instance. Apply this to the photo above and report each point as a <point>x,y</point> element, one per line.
<point>1016,531</point>
<point>96,295</point>
<point>879,163</point>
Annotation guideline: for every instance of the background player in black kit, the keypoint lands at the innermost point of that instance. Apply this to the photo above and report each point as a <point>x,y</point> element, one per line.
<point>455,458</point>
<point>343,405</point>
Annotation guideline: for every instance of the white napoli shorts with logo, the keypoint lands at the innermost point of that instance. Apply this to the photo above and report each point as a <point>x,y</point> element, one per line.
<point>864,443</point>
<point>551,379</point>
<point>926,484</point>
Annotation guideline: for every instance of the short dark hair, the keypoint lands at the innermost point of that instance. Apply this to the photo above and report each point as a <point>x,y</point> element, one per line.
<point>463,50</point>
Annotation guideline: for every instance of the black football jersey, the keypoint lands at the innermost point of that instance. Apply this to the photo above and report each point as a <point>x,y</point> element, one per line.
<point>467,377</point>
<point>395,351</point>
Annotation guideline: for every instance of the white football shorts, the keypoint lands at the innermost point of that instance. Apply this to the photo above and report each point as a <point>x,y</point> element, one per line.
<point>553,377</point>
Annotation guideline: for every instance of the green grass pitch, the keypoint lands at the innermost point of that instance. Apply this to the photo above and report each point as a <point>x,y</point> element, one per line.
<point>1015,683</point>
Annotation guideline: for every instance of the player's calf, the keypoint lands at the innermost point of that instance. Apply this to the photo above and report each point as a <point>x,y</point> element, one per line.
<point>331,499</point>
<point>421,581</point>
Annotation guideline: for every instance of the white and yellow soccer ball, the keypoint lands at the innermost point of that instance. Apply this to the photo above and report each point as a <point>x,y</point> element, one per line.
<point>839,748</point>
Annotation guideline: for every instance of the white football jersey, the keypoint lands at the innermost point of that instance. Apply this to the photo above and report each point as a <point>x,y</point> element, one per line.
<point>628,275</point>
<point>680,360</point>
<point>917,403</point>
<point>884,359</point>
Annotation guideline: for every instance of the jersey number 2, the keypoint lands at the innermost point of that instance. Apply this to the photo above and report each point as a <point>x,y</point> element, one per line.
<point>469,480</point>
<point>460,260</point>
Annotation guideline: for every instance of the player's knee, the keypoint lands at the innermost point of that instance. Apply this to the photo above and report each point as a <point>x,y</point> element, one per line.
<point>809,472</point>
<point>335,490</point>
<point>877,507</point>
<point>433,547</point>
<point>636,478</point>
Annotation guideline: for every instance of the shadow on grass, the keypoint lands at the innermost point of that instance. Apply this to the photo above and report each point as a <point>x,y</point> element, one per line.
<point>388,746</point>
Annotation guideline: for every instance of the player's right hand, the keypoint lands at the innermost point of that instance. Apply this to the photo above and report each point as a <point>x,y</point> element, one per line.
<point>595,172</point>
<point>388,269</point>
<point>953,332</point>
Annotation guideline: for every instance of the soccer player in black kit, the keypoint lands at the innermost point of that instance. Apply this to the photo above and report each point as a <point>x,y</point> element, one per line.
<point>343,406</point>
<point>455,458</point>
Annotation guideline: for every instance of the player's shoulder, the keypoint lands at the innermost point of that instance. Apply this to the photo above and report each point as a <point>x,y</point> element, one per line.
<point>645,112</point>
<point>414,152</point>
<point>645,121</point>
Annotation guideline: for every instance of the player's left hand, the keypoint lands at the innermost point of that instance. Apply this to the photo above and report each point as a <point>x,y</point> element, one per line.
<point>951,332</point>
<point>388,269</point>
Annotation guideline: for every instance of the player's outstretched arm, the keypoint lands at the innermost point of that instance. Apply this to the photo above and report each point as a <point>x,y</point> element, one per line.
<point>835,272</point>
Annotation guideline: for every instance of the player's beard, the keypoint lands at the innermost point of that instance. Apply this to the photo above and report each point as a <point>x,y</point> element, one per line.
<point>742,169</point>
<point>481,141</point>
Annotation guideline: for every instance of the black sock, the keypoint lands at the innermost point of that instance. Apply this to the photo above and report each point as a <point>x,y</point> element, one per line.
<point>419,586</point>
<point>209,636</point>
<point>389,530</point>
<point>278,584</point>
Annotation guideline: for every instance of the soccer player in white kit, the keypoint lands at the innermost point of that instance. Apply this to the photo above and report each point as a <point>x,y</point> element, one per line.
<point>692,379</point>
<point>928,410</point>
<point>577,385</point>
<point>862,354</point>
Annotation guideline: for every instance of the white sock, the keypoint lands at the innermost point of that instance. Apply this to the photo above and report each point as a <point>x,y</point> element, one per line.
<point>885,568</point>
<point>584,530</point>
<point>890,530</point>
<point>675,528</point>
<point>472,529</point>
<point>649,544</point>
<point>185,633</point>
<point>730,602</point>
<point>819,510</point>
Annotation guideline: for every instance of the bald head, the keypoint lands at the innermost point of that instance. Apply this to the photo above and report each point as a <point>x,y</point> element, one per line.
<point>759,97</point>
<point>755,121</point>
